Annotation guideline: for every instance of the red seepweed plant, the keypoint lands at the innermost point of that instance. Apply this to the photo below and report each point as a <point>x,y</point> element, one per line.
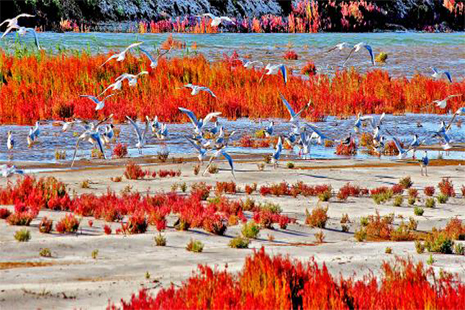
<point>277,282</point>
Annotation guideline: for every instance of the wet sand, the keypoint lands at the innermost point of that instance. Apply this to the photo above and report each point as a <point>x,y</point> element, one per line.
<point>73,279</point>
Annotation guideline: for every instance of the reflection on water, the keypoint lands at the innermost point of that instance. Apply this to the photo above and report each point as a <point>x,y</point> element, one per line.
<point>52,138</point>
<point>409,52</point>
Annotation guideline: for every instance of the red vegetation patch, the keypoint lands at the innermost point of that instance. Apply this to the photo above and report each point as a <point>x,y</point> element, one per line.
<point>282,283</point>
<point>120,150</point>
<point>68,224</point>
<point>446,187</point>
<point>291,55</point>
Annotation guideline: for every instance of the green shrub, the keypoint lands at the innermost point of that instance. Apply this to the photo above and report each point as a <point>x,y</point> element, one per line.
<point>398,201</point>
<point>360,235</point>
<point>430,260</point>
<point>239,243</point>
<point>23,235</point>
<point>406,182</point>
<point>418,211</point>
<point>45,252</point>
<point>412,200</point>
<point>439,242</point>
<point>459,249</point>
<point>364,221</point>
<point>419,246</point>
<point>250,230</point>
<point>388,250</point>
<point>160,240</point>
<point>442,198</point>
<point>194,246</point>
<point>290,165</point>
<point>326,195</point>
<point>430,202</point>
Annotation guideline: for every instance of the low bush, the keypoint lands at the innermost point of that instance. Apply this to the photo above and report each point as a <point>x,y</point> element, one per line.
<point>239,243</point>
<point>250,230</point>
<point>195,246</point>
<point>23,235</point>
<point>317,218</point>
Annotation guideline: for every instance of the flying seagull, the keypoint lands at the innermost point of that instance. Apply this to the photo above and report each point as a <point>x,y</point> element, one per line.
<point>437,74</point>
<point>99,103</point>
<point>294,116</point>
<point>217,20</point>
<point>196,89</point>
<point>359,46</point>
<point>13,22</point>
<point>122,55</point>
<point>199,124</point>
<point>153,60</point>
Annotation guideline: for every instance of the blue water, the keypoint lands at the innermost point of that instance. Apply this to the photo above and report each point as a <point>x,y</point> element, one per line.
<point>408,52</point>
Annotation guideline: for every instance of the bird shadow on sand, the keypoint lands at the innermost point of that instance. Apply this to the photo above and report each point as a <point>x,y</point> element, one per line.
<point>324,177</point>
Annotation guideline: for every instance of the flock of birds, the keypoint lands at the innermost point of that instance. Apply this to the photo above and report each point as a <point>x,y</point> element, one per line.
<point>215,140</point>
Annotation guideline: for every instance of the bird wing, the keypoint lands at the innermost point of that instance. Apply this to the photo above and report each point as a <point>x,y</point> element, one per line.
<point>149,56</point>
<point>136,129</point>
<point>142,73</point>
<point>109,86</point>
<point>350,54</point>
<point>209,15</point>
<point>191,116</point>
<point>284,72</point>
<point>230,161</point>
<point>209,117</point>
<point>147,127</point>
<point>370,50</point>
<point>122,77</point>
<point>111,57</point>
<point>131,46</point>
<point>75,151</point>
<point>96,137</point>
<point>447,74</point>
<point>208,90</point>
<point>381,118</point>
<point>225,18</point>
<point>8,30</point>
<point>109,96</point>
<point>332,49</point>
<point>93,98</point>
<point>434,70</point>
<point>398,146</point>
<point>189,86</point>
<point>103,121</point>
<point>318,132</point>
<point>24,15</point>
<point>36,38</point>
<point>194,144</point>
<point>8,20</point>
<point>288,106</point>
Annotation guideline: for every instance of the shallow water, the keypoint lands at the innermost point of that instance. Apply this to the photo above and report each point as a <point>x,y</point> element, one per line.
<point>409,52</point>
<point>52,138</point>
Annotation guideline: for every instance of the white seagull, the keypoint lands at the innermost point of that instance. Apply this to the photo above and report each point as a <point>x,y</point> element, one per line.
<point>13,22</point>
<point>141,136</point>
<point>443,103</point>
<point>200,124</point>
<point>92,136</point>
<point>250,64</point>
<point>217,20</point>
<point>437,74</point>
<point>153,60</point>
<point>359,46</point>
<point>6,171</point>
<point>100,104</point>
<point>10,142</point>
<point>277,153</point>
<point>122,55</point>
<point>202,151</point>
<point>219,152</point>
<point>274,69</point>
<point>402,152</point>
<point>196,89</point>
<point>339,46</point>
<point>295,117</point>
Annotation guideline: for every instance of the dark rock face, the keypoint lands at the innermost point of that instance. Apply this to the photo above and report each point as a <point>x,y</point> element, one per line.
<point>410,14</point>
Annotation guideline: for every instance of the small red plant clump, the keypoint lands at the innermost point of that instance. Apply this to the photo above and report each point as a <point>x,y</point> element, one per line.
<point>214,223</point>
<point>249,189</point>
<point>90,223</point>
<point>455,229</point>
<point>4,213</point>
<point>413,192</point>
<point>134,172</point>
<point>291,55</point>
<point>446,187</point>
<point>120,150</point>
<point>226,187</point>
<point>278,282</point>
<point>137,224</point>
<point>45,225</point>
<point>201,189</point>
<point>463,191</point>
<point>346,149</point>
<point>397,189</point>
<point>68,224</point>
<point>379,190</point>
<point>348,190</point>
<point>168,173</point>
<point>308,69</point>
<point>429,191</point>
<point>107,229</point>
<point>20,218</point>
<point>317,218</point>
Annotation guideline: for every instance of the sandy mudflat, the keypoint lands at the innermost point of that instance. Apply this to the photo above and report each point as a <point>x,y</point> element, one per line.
<point>73,279</point>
